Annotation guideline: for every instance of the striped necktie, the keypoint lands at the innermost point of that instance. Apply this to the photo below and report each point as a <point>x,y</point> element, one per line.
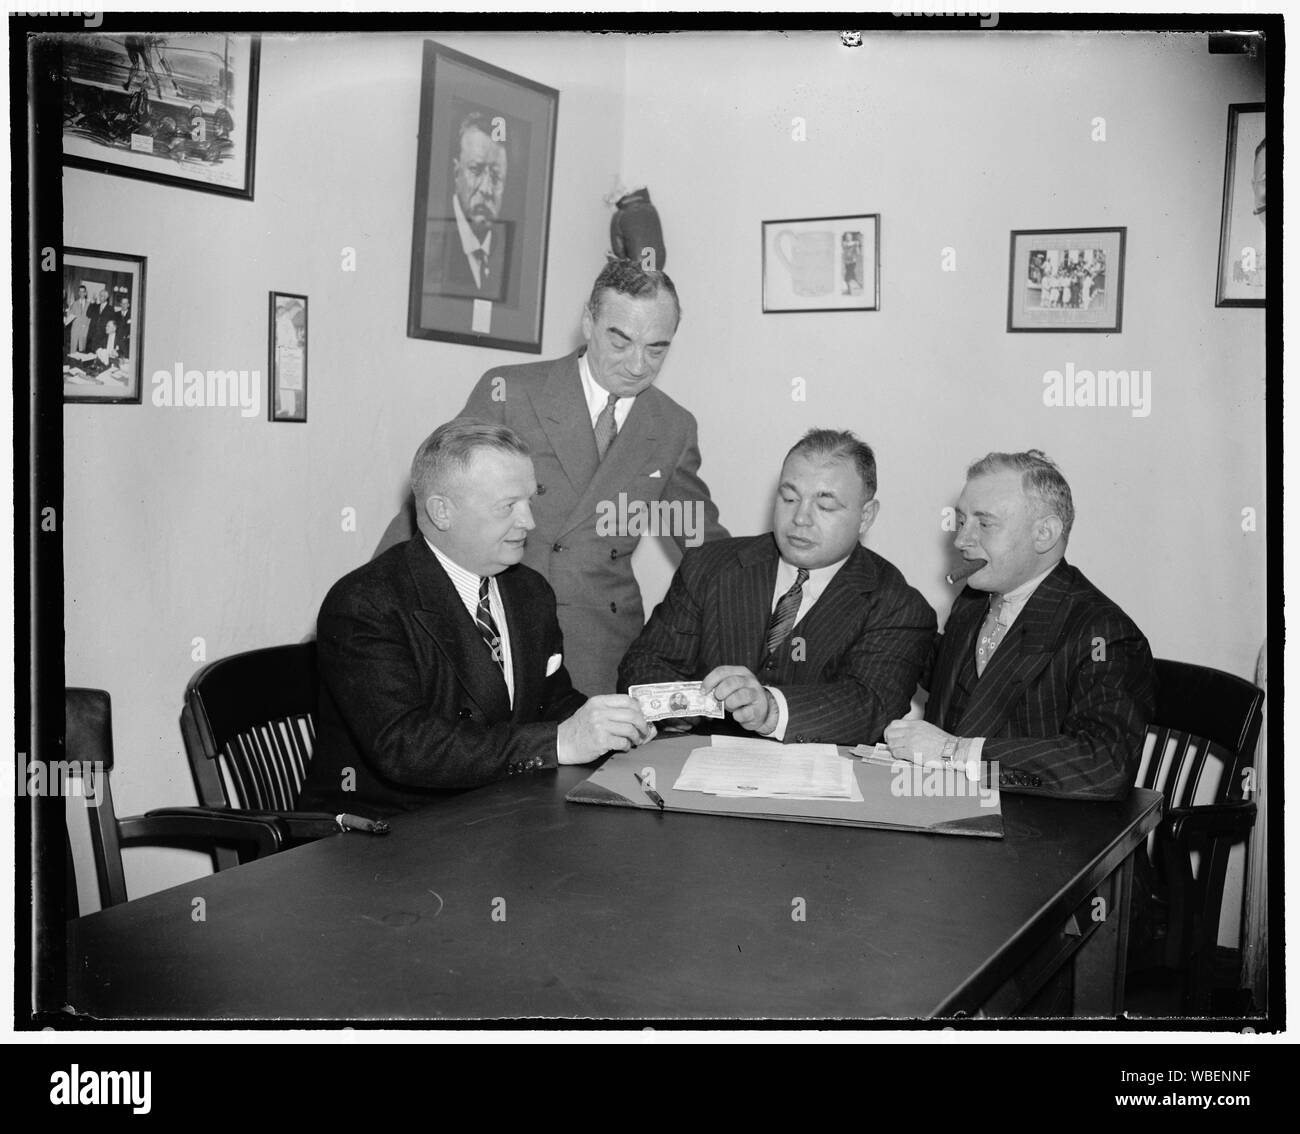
<point>484,272</point>
<point>783,618</point>
<point>487,625</point>
<point>991,634</point>
<point>606,428</point>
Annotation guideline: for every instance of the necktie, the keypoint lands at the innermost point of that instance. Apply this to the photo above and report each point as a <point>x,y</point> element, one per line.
<point>991,634</point>
<point>483,270</point>
<point>783,617</point>
<point>606,428</point>
<point>487,625</point>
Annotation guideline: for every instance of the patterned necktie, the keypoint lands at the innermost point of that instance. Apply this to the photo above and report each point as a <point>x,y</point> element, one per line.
<point>487,625</point>
<point>484,272</point>
<point>606,428</point>
<point>783,617</point>
<point>991,634</point>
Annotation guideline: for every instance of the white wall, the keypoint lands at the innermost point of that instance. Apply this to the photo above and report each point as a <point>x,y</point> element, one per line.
<point>184,523</point>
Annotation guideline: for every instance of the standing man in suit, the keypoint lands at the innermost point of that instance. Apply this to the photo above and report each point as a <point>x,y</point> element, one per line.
<point>1037,670</point>
<point>607,447</point>
<point>802,633</point>
<point>441,661</point>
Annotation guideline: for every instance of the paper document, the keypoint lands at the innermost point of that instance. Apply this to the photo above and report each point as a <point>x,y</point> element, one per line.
<point>765,769</point>
<point>875,754</point>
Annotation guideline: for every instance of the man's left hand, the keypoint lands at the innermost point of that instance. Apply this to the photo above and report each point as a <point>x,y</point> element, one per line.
<point>743,696</point>
<point>917,742</point>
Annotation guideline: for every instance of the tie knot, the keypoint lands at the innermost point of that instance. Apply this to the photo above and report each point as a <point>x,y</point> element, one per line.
<point>801,576</point>
<point>483,588</point>
<point>611,402</point>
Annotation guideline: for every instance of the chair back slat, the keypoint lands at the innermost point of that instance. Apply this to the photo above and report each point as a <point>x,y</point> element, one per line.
<point>88,736</point>
<point>251,715</point>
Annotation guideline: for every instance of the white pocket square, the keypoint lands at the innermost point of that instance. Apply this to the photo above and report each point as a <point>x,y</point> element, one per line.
<point>553,663</point>
<point>655,474</point>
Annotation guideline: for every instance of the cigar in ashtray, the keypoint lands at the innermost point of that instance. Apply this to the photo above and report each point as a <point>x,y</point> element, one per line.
<point>968,567</point>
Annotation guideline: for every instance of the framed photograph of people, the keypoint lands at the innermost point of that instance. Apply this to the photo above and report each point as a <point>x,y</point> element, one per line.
<point>287,396</point>
<point>1066,279</point>
<point>103,326</point>
<point>179,109</point>
<point>1241,229</point>
<point>822,264</point>
<point>482,204</point>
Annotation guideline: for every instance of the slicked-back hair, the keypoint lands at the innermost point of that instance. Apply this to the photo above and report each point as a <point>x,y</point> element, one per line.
<point>840,445</point>
<point>627,277</point>
<point>449,449</point>
<point>1039,478</point>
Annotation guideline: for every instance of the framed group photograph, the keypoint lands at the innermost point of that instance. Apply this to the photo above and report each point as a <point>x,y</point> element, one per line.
<point>176,109</point>
<point>1241,227</point>
<point>822,264</point>
<point>287,395</point>
<point>482,204</point>
<point>1066,279</point>
<point>103,326</point>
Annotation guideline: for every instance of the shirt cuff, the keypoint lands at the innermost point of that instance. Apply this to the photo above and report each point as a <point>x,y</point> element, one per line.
<point>782,713</point>
<point>970,749</point>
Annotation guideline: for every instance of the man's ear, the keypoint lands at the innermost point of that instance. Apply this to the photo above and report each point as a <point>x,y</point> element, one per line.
<point>1047,533</point>
<point>588,323</point>
<point>439,510</point>
<point>870,510</point>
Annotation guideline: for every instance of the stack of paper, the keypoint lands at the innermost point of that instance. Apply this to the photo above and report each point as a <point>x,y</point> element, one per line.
<point>764,769</point>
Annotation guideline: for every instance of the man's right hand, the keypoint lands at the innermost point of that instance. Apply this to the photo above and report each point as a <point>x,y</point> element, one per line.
<point>609,722</point>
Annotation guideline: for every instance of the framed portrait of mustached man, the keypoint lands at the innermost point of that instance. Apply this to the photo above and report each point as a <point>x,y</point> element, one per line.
<point>1241,228</point>
<point>482,204</point>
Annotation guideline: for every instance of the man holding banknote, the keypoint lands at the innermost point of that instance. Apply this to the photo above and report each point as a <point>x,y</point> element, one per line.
<point>800,634</point>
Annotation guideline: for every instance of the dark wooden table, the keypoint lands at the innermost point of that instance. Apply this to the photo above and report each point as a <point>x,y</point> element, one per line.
<point>508,902</point>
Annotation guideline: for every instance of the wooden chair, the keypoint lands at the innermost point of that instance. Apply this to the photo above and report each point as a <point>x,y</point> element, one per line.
<point>88,736</point>
<point>1205,720</point>
<point>248,726</point>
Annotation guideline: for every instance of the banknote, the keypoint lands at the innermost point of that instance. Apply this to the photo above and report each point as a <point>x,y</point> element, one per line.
<point>666,699</point>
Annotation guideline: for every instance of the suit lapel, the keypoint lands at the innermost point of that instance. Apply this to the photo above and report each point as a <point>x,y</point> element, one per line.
<point>526,643</point>
<point>747,608</point>
<point>832,617</point>
<point>959,634</point>
<point>443,617</point>
<point>633,446</point>
<point>562,413</point>
<point>1021,656</point>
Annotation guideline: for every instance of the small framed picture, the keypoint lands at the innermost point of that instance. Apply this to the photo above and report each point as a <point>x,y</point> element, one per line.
<point>103,326</point>
<point>483,173</point>
<point>175,109</point>
<point>822,264</point>
<point>287,397</point>
<point>1066,279</point>
<point>1241,228</point>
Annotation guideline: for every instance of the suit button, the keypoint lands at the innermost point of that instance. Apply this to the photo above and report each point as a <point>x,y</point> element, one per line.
<point>613,606</point>
<point>557,547</point>
<point>613,552</point>
<point>541,490</point>
<point>464,714</point>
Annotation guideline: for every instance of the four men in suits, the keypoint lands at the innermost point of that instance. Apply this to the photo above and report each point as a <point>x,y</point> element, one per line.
<point>442,660</point>
<point>1037,670</point>
<point>802,633</point>
<point>606,446</point>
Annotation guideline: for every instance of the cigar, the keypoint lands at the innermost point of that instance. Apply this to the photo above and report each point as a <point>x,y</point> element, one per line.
<point>968,567</point>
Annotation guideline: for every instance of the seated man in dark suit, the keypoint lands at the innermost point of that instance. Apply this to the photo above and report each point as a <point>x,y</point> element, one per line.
<point>441,660</point>
<point>1037,671</point>
<point>802,633</point>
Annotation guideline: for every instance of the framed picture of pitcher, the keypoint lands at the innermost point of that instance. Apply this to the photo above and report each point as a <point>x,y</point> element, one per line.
<point>822,264</point>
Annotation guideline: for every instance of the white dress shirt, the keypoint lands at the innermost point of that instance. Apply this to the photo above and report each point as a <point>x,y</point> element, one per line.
<point>466,584</point>
<point>597,398</point>
<point>470,243</point>
<point>818,580</point>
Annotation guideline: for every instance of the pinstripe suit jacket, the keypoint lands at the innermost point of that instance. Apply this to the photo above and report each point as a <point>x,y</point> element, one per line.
<point>850,665</point>
<point>1065,700</point>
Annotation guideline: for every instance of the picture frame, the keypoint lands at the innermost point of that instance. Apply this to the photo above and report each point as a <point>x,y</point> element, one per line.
<point>174,109</point>
<point>1067,280</point>
<point>1240,280</point>
<point>822,264</point>
<point>484,169</point>
<point>103,326</point>
<point>287,334</point>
